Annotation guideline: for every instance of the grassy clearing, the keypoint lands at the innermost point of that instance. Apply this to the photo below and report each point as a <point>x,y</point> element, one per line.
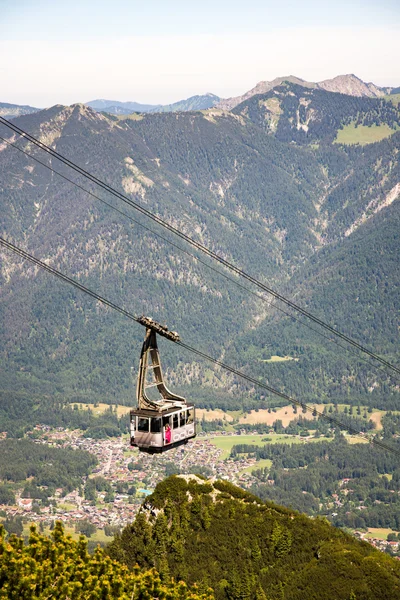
<point>350,134</point>
<point>99,536</point>
<point>101,408</point>
<point>375,416</point>
<point>394,99</point>
<point>260,464</point>
<point>285,414</point>
<point>379,533</point>
<point>131,117</point>
<point>356,439</point>
<point>275,358</point>
<point>66,506</point>
<point>226,443</point>
<point>211,415</point>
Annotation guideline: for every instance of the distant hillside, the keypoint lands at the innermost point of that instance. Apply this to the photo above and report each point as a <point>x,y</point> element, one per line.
<point>305,115</point>
<point>215,534</point>
<point>9,111</point>
<point>194,103</point>
<point>116,107</point>
<point>342,84</point>
<point>268,187</point>
<point>125,108</point>
<point>200,184</point>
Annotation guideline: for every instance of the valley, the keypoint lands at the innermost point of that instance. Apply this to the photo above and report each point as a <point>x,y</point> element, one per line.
<point>111,494</point>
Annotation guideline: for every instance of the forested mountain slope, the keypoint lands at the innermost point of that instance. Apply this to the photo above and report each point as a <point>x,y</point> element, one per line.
<point>259,194</point>
<point>306,115</point>
<point>213,533</point>
<point>358,276</point>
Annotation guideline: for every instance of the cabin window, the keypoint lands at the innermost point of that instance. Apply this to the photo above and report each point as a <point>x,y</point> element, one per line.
<point>183,418</point>
<point>166,421</point>
<point>143,424</point>
<point>155,425</point>
<point>175,420</point>
<point>190,414</point>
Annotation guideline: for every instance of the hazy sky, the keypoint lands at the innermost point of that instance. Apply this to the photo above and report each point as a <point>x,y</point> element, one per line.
<point>154,51</point>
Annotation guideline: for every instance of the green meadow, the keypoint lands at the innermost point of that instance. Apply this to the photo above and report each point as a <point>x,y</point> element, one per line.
<point>350,134</point>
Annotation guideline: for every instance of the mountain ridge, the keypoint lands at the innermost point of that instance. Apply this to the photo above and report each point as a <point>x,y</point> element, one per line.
<point>343,84</point>
<point>10,111</point>
<point>198,102</point>
<point>103,104</point>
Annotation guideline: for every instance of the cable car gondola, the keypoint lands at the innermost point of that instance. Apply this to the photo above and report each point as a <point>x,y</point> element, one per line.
<point>158,425</point>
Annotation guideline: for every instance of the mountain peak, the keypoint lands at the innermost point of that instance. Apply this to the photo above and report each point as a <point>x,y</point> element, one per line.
<point>350,84</point>
<point>262,87</point>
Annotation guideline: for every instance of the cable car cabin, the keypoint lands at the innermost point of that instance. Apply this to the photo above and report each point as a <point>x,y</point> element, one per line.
<point>159,424</point>
<point>159,432</point>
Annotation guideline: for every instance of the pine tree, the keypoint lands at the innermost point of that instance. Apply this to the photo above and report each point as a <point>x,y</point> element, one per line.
<point>60,568</point>
<point>260,594</point>
<point>255,551</point>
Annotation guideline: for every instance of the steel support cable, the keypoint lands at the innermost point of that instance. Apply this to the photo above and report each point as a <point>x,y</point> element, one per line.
<point>381,369</point>
<point>336,422</point>
<point>65,278</point>
<point>197,245</point>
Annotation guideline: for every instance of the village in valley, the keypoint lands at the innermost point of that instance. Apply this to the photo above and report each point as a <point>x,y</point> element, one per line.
<point>131,474</point>
<point>125,476</point>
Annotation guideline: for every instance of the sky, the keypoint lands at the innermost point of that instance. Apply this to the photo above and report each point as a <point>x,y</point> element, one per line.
<point>158,52</point>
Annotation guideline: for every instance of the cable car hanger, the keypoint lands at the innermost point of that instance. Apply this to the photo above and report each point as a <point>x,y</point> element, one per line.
<point>150,350</point>
<point>158,425</point>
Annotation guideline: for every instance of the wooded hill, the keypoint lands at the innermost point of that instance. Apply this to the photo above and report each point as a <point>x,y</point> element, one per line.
<point>294,113</point>
<point>270,192</point>
<point>216,534</point>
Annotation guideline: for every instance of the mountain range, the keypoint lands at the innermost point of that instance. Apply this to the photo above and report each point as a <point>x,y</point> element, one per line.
<point>299,186</point>
<point>118,108</point>
<point>343,84</point>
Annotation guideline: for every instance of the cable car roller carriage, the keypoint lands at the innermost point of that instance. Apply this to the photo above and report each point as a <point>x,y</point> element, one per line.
<point>158,425</point>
